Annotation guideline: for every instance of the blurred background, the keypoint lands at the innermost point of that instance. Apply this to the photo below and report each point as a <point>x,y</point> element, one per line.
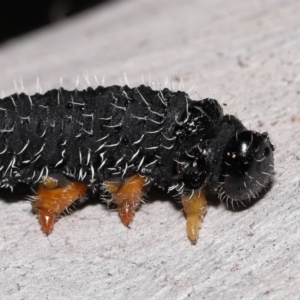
<point>32,14</point>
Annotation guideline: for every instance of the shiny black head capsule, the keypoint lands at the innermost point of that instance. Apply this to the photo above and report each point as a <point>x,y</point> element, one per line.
<point>247,166</point>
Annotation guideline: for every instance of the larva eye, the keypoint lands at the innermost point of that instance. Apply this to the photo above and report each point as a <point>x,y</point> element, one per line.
<point>247,165</point>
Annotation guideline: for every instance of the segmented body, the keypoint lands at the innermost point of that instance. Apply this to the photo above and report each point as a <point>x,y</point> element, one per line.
<point>101,134</point>
<point>110,134</point>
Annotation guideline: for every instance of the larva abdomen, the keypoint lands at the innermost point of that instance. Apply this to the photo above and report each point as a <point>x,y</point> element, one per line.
<point>70,130</point>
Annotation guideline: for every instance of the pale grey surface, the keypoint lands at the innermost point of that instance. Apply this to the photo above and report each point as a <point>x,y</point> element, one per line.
<point>253,51</point>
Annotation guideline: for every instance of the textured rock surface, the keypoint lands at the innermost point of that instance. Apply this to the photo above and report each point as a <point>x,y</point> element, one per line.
<point>253,51</point>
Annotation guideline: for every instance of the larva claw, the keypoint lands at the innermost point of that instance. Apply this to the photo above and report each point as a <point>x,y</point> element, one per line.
<point>53,197</point>
<point>127,196</point>
<point>194,207</point>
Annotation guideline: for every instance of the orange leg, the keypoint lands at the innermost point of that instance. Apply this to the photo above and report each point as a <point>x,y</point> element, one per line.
<point>127,196</point>
<point>194,208</point>
<point>53,197</point>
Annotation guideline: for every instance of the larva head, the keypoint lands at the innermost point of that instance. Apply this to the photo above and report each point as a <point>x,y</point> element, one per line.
<point>247,166</point>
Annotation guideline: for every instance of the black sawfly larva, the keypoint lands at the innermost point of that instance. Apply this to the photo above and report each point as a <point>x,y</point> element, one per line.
<point>121,141</point>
